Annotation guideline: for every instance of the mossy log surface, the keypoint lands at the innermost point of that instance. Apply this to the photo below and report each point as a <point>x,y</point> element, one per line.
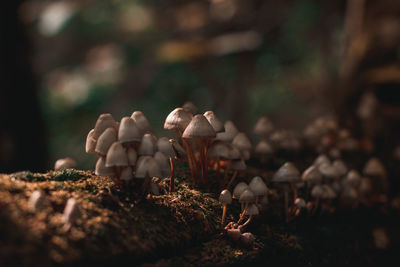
<point>178,229</point>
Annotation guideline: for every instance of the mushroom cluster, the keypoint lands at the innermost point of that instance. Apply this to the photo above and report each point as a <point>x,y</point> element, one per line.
<point>128,151</point>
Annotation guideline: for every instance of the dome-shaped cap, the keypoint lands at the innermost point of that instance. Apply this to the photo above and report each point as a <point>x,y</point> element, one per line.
<point>190,107</point>
<point>65,163</point>
<point>103,122</point>
<point>101,168</point>
<point>317,191</point>
<point>199,127</point>
<point>252,210</point>
<point>300,203</point>
<point>230,132</point>
<point>225,197</point>
<point>374,167</point>
<point>126,174</point>
<point>239,189</point>
<point>178,149</point>
<point>263,127</point>
<point>164,146</point>
<point>287,173</point>
<point>141,121</point>
<point>147,145</point>
<point>321,159</point>
<point>247,239</point>
<point>340,167</point>
<point>163,163</point>
<point>90,143</point>
<point>106,139</point>
<point>234,153</point>
<point>219,149</point>
<point>350,193</point>
<point>258,186</point>
<point>237,165</point>
<point>116,156</point>
<point>353,178</point>
<point>247,196</point>
<point>365,186</point>
<point>132,156</point>
<point>217,125</point>
<point>128,131</point>
<point>147,166</point>
<point>328,192</point>
<point>242,142</point>
<point>178,119</point>
<point>312,175</point>
<point>328,171</point>
<point>263,148</point>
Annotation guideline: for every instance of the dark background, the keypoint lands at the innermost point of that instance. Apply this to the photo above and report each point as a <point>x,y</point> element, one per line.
<point>65,62</point>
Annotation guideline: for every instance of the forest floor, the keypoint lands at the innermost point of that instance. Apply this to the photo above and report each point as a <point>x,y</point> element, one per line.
<point>176,229</point>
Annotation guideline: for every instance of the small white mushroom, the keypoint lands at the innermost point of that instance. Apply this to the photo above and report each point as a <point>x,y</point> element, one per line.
<point>71,212</point>
<point>225,198</point>
<point>65,163</point>
<point>247,239</point>
<point>37,201</point>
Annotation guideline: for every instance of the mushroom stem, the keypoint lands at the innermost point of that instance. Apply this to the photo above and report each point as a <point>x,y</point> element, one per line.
<point>223,216</point>
<point>191,160</point>
<point>232,179</point>
<point>203,164</point>
<point>117,173</point>
<point>172,179</point>
<point>243,213</point>
<point>246,223</point>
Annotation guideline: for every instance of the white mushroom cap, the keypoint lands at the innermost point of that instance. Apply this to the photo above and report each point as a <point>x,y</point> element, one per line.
<point>317,191</point>
<point>199,127</point>
<point>178,149</point>
<point>263,148</point>
<point>340,167</point>
<point>147,166</point>
<point>287,173</point>
<point>247,196</point>
<point>239,189</point>
<point>163,163</point>
<point>328,193</point>
<point>164,146</point>
<point>353,178</point>
<point>234,153</point>
<point>263,127</point>
<point>242,142</point>
<point>127,174</point>
<point>71,211</point>
<point>321,159</point>
<point>147,146</point>
<point>365,186</point>
<point>300,203</point>
<point>230,132</point>
<point>328,171</point>
<point>252,210</point>
<point>103,122</point>
<point>247,239</point>
<point>129,131</point>
<point>190,107</point>
<point>141,121</point>
<point>36,201</point>
<point>132,156</point>
<point>225,197</point>
<point>116,156</point>
<point>217,125</point>
<point>65,163</point>
<point>101,168</point>
<point>90,143</point>
<point>106,139</point>
<point>258,186</point>
<point>374,167</point>
<point>178,119</point>
<point>312,175</point>
<point>218,149</point>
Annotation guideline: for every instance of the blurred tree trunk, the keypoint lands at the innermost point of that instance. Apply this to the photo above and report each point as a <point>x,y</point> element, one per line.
<point>22,133</point>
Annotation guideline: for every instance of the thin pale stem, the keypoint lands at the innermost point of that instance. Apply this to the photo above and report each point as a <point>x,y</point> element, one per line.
<point>172,179</point>
<point>223,216</point>
<point>246,223</point>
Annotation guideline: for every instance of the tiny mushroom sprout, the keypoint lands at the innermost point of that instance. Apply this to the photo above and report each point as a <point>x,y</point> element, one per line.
<point>242,143</point>
<point>288,174</point>
<point>71,213</point>
<point>263,150</point>
<point>312,176</point>
<point>147,146</point>
<point>65,163</point>
<point>239,189</point>
<point>340,167</point>
<point>217,125</point>
<point>37,201</point>
<point>377,172</point>
<point>321,159</point>
<point>147,168</point>
<point>129,133</point>
<point>300,205</point>
<point>103,122</point>
<point>258,187</point>
<point>251,211</point>
<point>230,132</point>
<point>190,107</point>
<point>225,198</point>
<point>263,127</point>
<point>117,158</point>
<point>177,121</point>
<point>247,197</point>
<point>247,239</point>
<point>141,122</point>
<point>106,139</point>
<point>329,172</point>
<point>353,178</point>
<point>90,143</point>
<point>201,130</point>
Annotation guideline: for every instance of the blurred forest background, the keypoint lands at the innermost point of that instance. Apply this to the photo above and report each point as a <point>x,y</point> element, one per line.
<point>65,62</point>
